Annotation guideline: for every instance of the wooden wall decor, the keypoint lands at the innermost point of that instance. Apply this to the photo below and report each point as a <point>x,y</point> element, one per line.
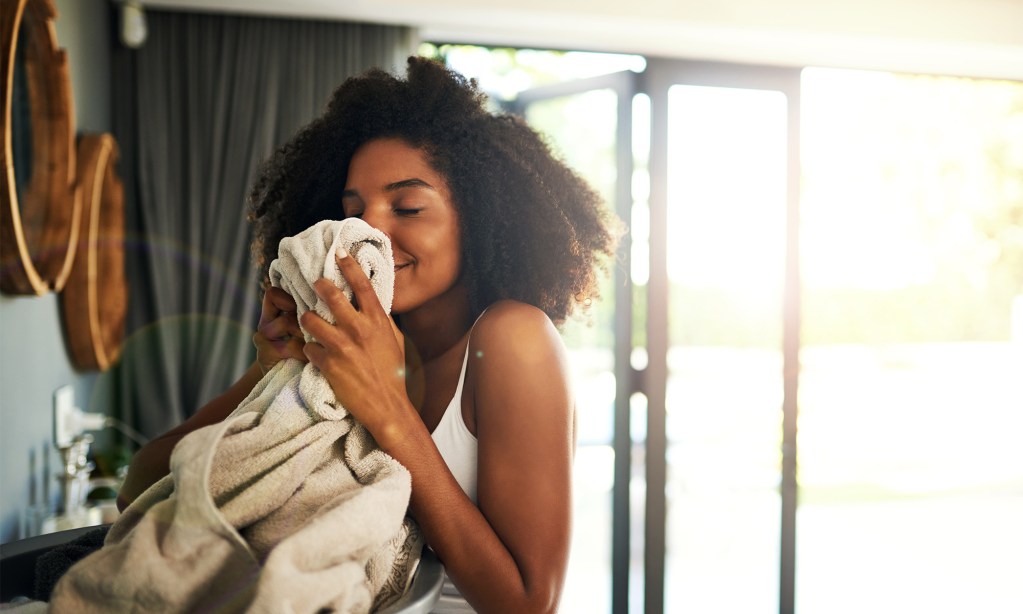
<point>38,219</point>
<point>95,299</point>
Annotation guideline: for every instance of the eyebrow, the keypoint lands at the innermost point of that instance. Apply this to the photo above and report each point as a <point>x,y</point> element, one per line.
<point>392,187</point>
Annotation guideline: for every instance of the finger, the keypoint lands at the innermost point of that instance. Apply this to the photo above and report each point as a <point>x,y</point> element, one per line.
<point>335,300</point>
<point>268,311</point>
<point>295,349</point>
<point>269,348</point>
<point>315,353</point>
<point>362,289</point>
<point>319,328</point>
<point>267,354</point>
<point>284,325</point>
<point>281,299</point>
<point>275,301</point>
<point>259,342</point>
<point>398,336</point>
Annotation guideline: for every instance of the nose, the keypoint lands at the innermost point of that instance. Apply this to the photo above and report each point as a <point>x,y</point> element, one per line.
<point>379,218</point>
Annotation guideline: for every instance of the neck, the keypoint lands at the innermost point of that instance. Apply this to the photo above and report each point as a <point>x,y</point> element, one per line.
<point>436,327</point>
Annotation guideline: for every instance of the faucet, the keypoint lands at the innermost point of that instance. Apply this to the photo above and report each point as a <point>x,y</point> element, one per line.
<point>75,477</point>
<point>74,482</point>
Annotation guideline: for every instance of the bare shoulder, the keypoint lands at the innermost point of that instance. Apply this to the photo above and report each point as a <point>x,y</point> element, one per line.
<point>519,378</point>
<point>514,331</point>
<point>517,357</point>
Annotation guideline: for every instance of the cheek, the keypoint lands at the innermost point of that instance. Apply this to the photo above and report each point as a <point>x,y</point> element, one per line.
<point>454,255</point>
<point>446,246</point>
<point>446,265</point>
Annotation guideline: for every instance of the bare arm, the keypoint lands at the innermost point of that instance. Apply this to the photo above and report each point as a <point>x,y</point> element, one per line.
<point>509,554</point>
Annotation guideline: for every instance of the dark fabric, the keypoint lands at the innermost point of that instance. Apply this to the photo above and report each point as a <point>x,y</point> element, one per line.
<point>196,110</point>
<point>51,565</point>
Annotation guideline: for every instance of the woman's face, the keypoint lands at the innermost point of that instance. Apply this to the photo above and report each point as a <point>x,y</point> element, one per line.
<point>393,188</point>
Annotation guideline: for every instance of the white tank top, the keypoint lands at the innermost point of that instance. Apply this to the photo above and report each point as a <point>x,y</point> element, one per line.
<point>454,441</point>
<point>458,448</point>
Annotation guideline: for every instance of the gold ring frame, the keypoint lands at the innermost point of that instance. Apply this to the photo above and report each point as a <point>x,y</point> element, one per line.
<point>38,220</point>
<point>95,299</point>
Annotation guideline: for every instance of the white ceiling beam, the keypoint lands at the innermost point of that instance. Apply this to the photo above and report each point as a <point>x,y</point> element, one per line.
<point>979,38</point>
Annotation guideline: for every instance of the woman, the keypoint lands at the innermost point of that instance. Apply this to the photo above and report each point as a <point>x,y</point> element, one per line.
<point>467,386</point>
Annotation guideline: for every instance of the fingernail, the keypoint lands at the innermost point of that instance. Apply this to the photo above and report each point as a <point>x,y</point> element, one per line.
<point>341,253</point>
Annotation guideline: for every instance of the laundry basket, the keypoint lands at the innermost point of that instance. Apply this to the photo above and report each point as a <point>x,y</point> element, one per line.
<point>18,572</point>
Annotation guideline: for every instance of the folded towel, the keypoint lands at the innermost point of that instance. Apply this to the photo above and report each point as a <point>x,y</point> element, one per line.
<point>287,505</point>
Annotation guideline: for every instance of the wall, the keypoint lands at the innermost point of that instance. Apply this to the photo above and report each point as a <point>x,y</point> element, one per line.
<point>34,361</point>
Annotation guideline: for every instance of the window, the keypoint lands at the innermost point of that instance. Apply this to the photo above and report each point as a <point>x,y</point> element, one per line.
<point>911,392</point>
<point>838,249</point>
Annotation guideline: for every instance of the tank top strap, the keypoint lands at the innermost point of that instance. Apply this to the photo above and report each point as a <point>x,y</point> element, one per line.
<point>456,444</point>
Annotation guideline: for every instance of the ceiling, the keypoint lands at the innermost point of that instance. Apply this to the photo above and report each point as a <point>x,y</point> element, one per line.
<point>982,38</point>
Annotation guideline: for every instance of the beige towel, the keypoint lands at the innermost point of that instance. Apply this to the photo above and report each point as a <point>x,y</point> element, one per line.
<point>285,506</point>
<point>304,258</point>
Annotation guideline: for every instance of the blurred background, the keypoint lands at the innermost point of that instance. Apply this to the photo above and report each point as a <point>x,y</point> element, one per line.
<point>803,387</point>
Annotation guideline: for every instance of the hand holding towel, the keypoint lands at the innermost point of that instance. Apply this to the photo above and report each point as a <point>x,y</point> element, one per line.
<point>304,258</point>
<point>287,505</point>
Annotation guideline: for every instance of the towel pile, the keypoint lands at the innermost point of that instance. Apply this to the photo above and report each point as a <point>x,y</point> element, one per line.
<point>287,505</point>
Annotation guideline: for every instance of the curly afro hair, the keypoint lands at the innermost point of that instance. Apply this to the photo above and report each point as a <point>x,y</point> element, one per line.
<point>532,229</point>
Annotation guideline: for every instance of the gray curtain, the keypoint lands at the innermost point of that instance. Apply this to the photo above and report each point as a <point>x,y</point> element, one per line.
<point>196,110</point>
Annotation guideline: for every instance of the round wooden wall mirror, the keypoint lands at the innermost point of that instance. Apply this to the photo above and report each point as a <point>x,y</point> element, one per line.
<point>95,299</point>
<point>40,210</point>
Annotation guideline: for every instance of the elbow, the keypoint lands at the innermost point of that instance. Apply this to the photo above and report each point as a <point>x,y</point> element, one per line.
<point>547,607</point>
<point>541,601</point>
<point>540,606</point>
<point>525,606</point>
<point>541,593</point>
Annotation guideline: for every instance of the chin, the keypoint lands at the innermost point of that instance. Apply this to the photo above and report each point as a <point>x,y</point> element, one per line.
<point>399,307</point>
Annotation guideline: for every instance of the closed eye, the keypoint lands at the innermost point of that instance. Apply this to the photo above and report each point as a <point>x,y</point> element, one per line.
<point>409,211</point>
<point>351,204</point>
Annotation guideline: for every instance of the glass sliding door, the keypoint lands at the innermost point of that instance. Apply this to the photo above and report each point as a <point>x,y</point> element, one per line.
<point>726,250</point>
<point>722,210</point>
